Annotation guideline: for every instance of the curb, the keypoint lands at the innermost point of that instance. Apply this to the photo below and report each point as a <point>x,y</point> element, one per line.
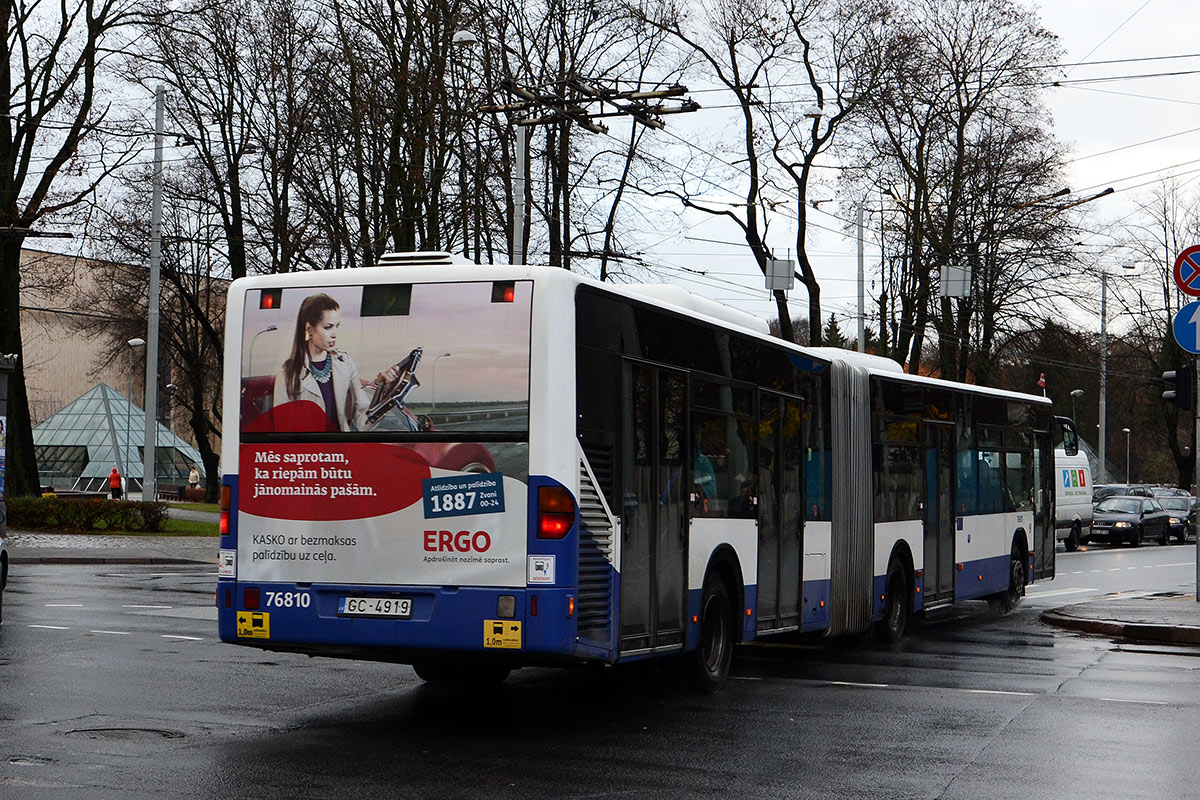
<point>1141,632</point>
<point>103,560</point>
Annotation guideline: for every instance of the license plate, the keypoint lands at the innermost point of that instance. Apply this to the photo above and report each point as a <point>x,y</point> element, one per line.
<point>398,607</point>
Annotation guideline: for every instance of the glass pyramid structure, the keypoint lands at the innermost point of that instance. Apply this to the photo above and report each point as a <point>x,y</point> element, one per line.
<point>78,446</point>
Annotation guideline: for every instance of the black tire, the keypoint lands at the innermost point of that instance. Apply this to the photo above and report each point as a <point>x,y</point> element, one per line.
<point>1072,542</point>
<point>1186,533</point>
<point>1138,534</point>
<point>1010,598</point>
<point>897,600</point>
<point>1164,537</point>
<point>710,662</point>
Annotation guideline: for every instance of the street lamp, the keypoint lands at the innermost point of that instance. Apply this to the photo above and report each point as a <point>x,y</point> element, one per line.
<point>129,410</point>
<point>1126,454</point>
<point>1102,454</point>
<point>1075,393</point>
<point>433,382</point>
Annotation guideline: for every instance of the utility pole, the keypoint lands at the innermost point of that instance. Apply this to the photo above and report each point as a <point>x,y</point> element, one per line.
<point>151,431</point>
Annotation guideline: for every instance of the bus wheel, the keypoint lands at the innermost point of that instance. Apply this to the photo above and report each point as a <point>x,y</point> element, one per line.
<point>896,603</point>
<point>1010,598</point>
<point>1072,543</point>
<point>711,661</point>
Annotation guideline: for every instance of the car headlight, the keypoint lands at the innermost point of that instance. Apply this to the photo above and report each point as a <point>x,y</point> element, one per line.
<point>1121,525</point>
<point>1174,521</point>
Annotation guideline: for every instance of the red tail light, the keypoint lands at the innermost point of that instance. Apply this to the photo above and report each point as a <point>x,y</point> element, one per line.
<point>226,498</point>
<point>503,292</point>
<point>250,598</point>
<point>556,512</point>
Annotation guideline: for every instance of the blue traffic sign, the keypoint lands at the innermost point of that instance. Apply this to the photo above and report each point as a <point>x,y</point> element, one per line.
<point>1187,327</point>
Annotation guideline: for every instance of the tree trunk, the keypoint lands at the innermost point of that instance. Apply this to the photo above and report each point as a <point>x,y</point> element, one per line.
<point>21,476</point>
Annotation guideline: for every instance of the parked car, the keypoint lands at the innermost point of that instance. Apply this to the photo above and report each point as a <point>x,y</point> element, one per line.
<point>1182,509</point>
<point>1103,490</point>
<point>1122,518</point>
<point>1168,491</point>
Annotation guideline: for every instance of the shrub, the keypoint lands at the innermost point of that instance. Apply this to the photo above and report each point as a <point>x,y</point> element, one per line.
<point>58,513</point>
<point>152,515</point>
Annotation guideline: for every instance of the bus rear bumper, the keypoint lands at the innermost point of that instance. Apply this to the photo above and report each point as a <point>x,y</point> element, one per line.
<point>468,621</point>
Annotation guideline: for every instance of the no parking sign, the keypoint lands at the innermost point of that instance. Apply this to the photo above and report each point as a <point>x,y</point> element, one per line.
<point>1187,271</point>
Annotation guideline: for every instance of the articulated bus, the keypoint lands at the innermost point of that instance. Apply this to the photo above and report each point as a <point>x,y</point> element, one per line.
<point>476,468</point>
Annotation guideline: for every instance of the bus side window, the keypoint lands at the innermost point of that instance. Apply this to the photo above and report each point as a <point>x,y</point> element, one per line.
<point>722,469</point>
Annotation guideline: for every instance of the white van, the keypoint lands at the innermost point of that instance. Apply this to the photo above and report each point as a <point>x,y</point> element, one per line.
<point>1073,489</point>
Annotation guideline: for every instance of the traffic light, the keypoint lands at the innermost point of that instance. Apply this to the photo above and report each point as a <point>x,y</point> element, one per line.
<point>1179,387</point>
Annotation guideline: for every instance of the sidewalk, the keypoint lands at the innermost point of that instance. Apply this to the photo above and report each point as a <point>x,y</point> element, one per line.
<point>88,548</point>
<point>1168,618</point>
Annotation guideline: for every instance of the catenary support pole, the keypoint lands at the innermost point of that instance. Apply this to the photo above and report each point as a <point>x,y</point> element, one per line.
<point>1102,454</point>
<point>151,405</point>
<point>519,198</point>
<point>862,309</point>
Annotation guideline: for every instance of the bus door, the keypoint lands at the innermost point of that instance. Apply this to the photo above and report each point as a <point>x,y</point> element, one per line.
<point>654,504</point>
<point>938,514</point>
<point>780,511</point>
<point>1043,507</point>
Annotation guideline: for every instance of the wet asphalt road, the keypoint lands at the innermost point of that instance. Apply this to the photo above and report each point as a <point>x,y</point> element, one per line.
<point>113,684</point>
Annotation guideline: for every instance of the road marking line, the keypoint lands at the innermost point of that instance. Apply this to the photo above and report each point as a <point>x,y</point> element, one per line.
<point>163,607</point>
<point>188,638</point>
<point>1060,592</point>
<point>52,627</point>
<point>864,685</point>
<point>114,633</point>
<point>744,678</point>
<point>64,605</point>
<point>1139,702</point>
<point>998,691</point>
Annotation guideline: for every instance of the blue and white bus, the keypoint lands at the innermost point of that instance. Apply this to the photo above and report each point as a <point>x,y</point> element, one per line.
<point>475,468</point>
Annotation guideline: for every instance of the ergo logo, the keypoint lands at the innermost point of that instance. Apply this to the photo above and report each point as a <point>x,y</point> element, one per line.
<point>462,542</point>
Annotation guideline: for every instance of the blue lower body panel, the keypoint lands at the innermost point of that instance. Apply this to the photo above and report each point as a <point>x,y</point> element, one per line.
<point>443,620</point>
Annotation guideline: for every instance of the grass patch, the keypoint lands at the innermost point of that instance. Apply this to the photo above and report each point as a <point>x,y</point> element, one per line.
<point>213,507</point>
<point>189,527</point>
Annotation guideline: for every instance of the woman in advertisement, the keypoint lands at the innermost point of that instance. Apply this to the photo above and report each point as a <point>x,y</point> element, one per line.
<point>317,372</point>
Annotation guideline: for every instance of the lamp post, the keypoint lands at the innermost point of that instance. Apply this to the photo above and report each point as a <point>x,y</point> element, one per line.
<point>133,343</point>
<point>1102,454</point>
<point>433,382</point>
<point>1126,454</point>
<point>250,353</point>
<point>1075,393</point>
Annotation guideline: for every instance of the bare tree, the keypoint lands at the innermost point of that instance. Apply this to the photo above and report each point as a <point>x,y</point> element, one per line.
<point>1167,222</point>
<point>957,138</point>
<point>737,44</point>
<point>55,149</point>
<point>192,302</point>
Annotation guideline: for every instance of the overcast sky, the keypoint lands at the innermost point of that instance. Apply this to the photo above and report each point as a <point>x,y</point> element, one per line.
<point>1091,116</point>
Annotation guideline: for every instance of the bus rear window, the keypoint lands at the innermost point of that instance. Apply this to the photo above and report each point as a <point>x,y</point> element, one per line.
<point>386,357</point>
